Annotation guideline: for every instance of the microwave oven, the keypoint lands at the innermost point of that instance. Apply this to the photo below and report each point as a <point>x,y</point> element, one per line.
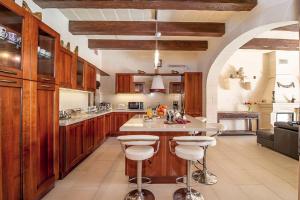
<point>136,105</point>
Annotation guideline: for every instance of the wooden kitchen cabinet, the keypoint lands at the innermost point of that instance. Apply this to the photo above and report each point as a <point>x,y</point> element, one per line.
<point>15,59</point>
<point>120,119</point>
<point>89,134</point>
<point>45,51</point>
<point>108,121</point>
<point>90,77</point>
<point>71,147</point>
<point>78,73</point>
<point>175,87</point>
<point>99,131</point>
<point>193,93</point>
<point>45,177</point>
<point>124,83</point>
<point>65,68</point>
<point>10,138</point>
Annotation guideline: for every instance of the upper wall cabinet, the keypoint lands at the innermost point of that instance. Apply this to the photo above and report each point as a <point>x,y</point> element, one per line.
<point>14,43</point>
<point>79,73</point>
<point>124,83</point>
<point>90,77</point>
<point>65,68</point>
<point>193,93</point>
<point>45,49</point>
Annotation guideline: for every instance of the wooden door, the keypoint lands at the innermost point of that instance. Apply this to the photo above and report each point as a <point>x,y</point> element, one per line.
<point>124,83</point>
<point>45,137</point>
<point>10,138</point>
<point>65,76</point>
<point>74,145</point>
<point>193,93</point>
<point>88,139</point>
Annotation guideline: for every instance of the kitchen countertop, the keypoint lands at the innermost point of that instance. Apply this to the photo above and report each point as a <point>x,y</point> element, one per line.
<point>137,123</point>
<point>83,117</point>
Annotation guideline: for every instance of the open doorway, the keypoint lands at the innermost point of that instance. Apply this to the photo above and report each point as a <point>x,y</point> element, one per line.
<point>262,77</point>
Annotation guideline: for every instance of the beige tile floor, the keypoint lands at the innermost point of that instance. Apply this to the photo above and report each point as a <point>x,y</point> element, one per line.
<point>245,171</point>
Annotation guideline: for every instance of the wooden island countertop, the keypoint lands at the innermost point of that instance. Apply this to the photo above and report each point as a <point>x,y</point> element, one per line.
<point>164,167</point>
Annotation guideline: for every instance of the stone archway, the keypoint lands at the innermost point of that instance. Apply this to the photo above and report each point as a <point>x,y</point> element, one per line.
<point>239,30</point>
<point>221,59</point>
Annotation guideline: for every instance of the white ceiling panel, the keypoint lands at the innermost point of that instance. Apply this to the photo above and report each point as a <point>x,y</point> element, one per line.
<point>279,35</point>
<point>110,14</point>
<point>123,14</point>
<point>70,14</point>
<point>96,14</point>
<point>145,15</point>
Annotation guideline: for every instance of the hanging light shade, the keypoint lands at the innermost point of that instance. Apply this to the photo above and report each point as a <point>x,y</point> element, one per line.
<point>157,84</point>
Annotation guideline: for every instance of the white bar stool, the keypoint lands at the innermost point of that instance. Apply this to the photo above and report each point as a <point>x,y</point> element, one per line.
<point>188,148</point>
<point>138,148</point>
<point>203,175</point>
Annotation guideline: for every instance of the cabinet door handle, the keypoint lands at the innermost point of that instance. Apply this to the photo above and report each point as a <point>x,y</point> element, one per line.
<point>8,72</point>
<point>46,79</point>
<point>8,81</point>
<point>47,86</point>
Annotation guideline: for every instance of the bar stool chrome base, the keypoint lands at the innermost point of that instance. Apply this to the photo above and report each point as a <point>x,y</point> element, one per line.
<point>185,194</point>
<point>144,195</point>
<point>206,177</point>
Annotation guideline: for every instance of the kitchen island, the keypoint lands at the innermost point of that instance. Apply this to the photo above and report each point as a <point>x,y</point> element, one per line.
<point>164,167</point>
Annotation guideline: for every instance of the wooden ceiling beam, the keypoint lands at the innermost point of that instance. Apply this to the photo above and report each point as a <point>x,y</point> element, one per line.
<point>146,28</point>
<point>291,28</point>
<point>218,5</point>
<point>173,45</point>
<point>272,44</point>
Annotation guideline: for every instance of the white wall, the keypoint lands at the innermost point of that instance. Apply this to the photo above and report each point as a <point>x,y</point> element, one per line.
<point>232,94</point>
<point>69,99</point>
<point>131,61</point>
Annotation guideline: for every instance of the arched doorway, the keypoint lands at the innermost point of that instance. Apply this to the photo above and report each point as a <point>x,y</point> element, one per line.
<point>221,59</point>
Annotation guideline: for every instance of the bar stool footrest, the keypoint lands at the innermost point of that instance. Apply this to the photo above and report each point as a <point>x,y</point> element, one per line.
<point>145,180</point>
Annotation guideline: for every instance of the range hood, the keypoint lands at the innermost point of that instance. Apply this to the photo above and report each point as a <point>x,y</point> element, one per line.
<point>158,84</point>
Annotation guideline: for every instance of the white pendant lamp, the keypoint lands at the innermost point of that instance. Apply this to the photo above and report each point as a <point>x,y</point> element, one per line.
<point>157,82</point>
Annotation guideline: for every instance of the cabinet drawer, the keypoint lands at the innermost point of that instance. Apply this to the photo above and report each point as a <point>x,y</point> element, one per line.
<point>10,82</point>
<point>45,86</point>
<point>46,79</point>
<point>10,72</point>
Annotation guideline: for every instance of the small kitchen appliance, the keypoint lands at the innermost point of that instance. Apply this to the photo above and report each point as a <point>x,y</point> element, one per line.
<point>136,105</point>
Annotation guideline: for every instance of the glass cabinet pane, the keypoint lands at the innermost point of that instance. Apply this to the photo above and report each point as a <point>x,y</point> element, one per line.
<point>10,38</point>
<point>80,68</point>
<point>45,53</point>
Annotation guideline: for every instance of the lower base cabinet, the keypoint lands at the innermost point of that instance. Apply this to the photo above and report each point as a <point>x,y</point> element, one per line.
<point>78,140</point>
<point>71,147</point>
<point>89,134</point>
